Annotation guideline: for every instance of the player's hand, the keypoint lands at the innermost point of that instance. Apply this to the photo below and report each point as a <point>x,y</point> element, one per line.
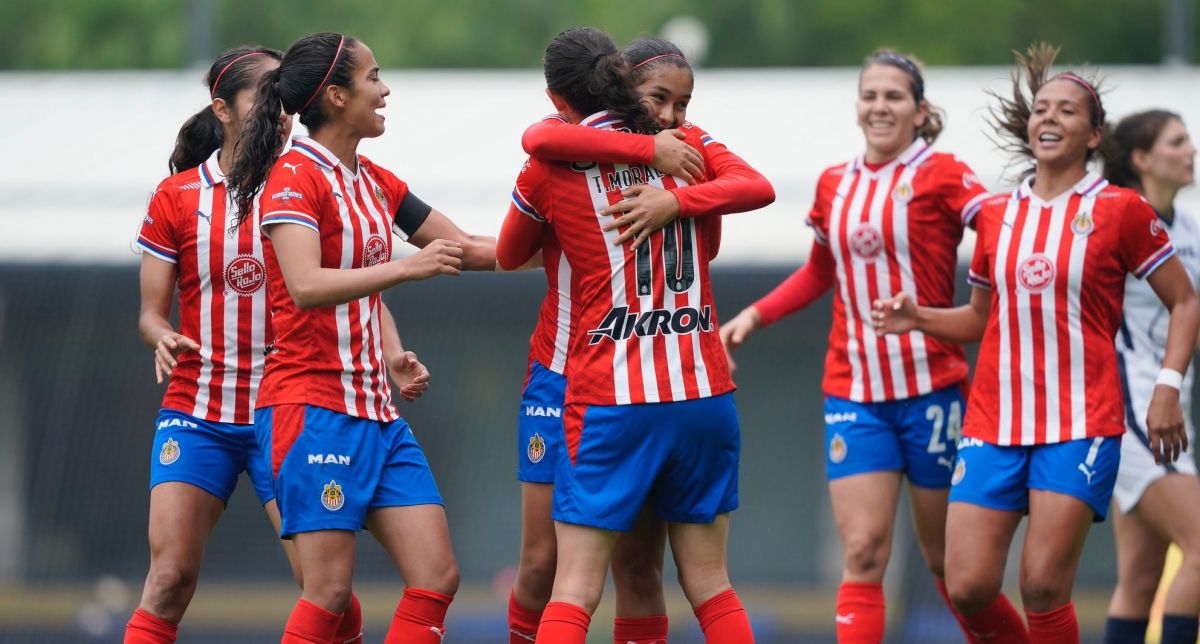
<point>169,346</point>
<point>734,332</point>
<point>1164,425</point>
<point>410,376</point>
<point>644,210</point>
<point>894,314</point>
<point>439,257</point>
<point>673,156</point>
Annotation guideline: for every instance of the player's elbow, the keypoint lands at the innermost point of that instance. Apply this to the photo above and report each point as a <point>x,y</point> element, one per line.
<point>534,146</point>
<point>304,294</point>
<point>764,193</point>
<point>509,259</point>
<point>479,253</point>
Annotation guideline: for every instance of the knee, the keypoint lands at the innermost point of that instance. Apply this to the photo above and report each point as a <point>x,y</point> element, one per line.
<point>537,567</point>
<point>444,581</point>
<point>638,577</point>
<point>171,584</point>
<point>935,560</point>
<point>333,597</point>
<point>970,596</point>
<point>1042,593</point>
<point>701,583</point>
<point>865,554</point>
<point>1139,582</point>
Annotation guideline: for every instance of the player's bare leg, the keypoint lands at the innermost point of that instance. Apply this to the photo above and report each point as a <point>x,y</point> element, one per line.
<point>1058,527</point>
<point>539,549</point>
<point>864,511</point>
<point>976,551</point>
<point>700,555</point>
<point>583,557</point>
<point>417,538</point>
<point>327,559</point>
<point>1168,507</point>
<point>637,570</point>
<point>289,548</point>
<point>182,516</point>
<point>929,524</point>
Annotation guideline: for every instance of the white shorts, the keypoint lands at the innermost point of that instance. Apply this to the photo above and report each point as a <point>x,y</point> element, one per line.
<point>1138,469</point>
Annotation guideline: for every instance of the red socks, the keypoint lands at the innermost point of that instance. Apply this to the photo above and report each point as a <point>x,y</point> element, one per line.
<point>420,618</point>
<point>522,622</point>
<point>563,623</point>
<point>1057,626</point>
<point>350,628</point>
<point>861,613</point>
<point>640,630</point>
<point>724,621</point>
<point>310,624</point>
<point>144,628</point>
<point>999,623</point>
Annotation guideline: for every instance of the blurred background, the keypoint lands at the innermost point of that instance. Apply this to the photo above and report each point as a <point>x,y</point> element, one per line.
<point>94,91</point>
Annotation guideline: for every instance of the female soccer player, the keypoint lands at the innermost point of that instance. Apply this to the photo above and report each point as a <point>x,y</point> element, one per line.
<point>664,80</point>
<point>888,221</point>
<point>1151,152</point>
<point>1043,430</point>
<point>648,415</point>
<point>341,456</point>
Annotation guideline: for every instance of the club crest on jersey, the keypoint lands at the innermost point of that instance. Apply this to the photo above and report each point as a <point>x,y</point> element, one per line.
<point>969,179</point>
<point>866,242</point>
<point>837,449</point>
<point>381,197</point>
<point>287,193</point>
<point>1156,227</point>
<point>1083,224</point>
<point>332,497</point>
<point>904,192</point>
<point>170,452</point>
<point>375,251</point>
<point>1036,272</point>
<point>960,470</point>
<point>621,323</point>
<point>245,275</point>
<point>537,448</point>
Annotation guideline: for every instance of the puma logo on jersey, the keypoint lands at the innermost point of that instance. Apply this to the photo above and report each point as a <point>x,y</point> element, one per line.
<point>328,459</point>
<point>200,214</point>
<point>1086,472</point>
<point>621,323</point>
<point>293,167</point>
<point>176,422</point>
<point>539,411</point>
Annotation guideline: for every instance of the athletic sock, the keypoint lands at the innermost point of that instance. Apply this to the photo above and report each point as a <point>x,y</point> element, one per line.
<point>144,628</point>
<point>1058,626</point>
<point>1179,628</point>
<point>350,628</point>
<point>420,618</point>
<point>310,624</point>
<point>563,623</point>
<point>640,630</point>
<point>999,623</point>
<point>522,622</point>
<point>861,613</point>
<point>724,621</point>
<point>962,621</point>
<point>1118,630</point>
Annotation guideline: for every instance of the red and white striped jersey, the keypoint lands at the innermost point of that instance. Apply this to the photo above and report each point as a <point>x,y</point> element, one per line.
<point>222,294</point>
<point>646,327</point>
<point>891,229</point>
<point>1047,368</point>
<point>330,356</point>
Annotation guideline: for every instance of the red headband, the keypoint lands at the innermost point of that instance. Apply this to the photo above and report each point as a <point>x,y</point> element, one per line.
<point>213,93</point>
<point>332,64</point>
<point>654,58</point>
<point>1091,90</point>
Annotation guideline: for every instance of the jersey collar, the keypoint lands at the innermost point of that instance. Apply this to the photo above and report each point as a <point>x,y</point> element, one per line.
<point>210,170</point>
<point>602,120</point>
<point>1089,186</point>
<point>315,151</point>
<point>912,155</point>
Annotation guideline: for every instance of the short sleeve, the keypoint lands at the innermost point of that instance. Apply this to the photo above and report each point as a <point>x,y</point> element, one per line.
<point>1144,244</point>
<point>292,197</point>
<point>961,190</point>
<point>980,272</point>
<point>526,194</point>
<point>407,211</point>
<point>159,233</point>
<point>818,215</point>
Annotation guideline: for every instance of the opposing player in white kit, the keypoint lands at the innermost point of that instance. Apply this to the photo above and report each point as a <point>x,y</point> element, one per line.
<point>1151,152</point>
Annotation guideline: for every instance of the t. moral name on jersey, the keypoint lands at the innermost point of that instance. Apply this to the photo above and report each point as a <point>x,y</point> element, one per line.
<point>328,459</point>
<point>621,323</point>
<point>618,180</point>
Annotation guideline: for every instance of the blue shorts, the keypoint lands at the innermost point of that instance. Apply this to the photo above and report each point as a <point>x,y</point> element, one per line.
<point>539,424</point>
<point>330,468</point>
<point>208,455</point>
<point>1000,478</point>
<point>681,456</point>
<point>914,435</point>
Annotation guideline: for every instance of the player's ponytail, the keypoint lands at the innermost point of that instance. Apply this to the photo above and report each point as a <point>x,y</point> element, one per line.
<point>1134,132</point>
<point>203,134</point>
<point>297,86</point>
<point>935,117</point>
<point>584,66</point>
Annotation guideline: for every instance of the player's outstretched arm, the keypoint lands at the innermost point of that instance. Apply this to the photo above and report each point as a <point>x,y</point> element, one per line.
<point>298,250</point>
<point>479,251</point>
<point>553,139</point>
<point>1164,418</point>
<point>959,324</point>
<point>154,325</point>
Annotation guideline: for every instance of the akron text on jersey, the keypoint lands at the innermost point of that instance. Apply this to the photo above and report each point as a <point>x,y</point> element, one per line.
<point>621,323</point>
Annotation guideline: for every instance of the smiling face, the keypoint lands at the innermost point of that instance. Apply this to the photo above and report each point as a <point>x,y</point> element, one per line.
<point>362,101</point>
<point>666,90</point>
<point>1171,160</point>
<point>887,111</point>
<point>1060,127</point>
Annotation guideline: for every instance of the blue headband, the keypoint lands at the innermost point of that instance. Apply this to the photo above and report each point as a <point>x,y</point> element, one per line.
<point>907,65</point>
